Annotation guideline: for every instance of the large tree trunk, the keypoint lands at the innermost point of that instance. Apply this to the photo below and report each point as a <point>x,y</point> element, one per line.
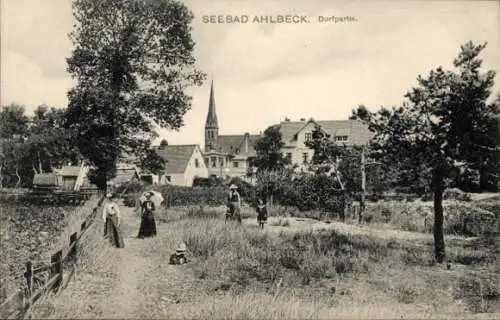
<point>439,247</point>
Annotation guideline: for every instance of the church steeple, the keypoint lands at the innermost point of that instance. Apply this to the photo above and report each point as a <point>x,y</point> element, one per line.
<point>211,124</point>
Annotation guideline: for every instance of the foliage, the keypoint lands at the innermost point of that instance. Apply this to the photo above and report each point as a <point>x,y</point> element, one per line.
<point>45,145</point>
<point>185,196</point>
<point>208,182</point>
<point>152,162</point>
<point>268,148</point>
<point>132,62</point>
<point>13,121</point>
<point>444,124</point>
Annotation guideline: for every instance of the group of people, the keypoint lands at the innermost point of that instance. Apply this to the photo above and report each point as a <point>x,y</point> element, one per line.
<point>112,218</point>
<point>234,207</point>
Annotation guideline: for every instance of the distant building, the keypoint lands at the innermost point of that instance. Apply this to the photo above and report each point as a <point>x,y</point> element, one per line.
<point>226,156</point>
<point>125,173</point>
<point>184,163</point>
<point>295,134</point>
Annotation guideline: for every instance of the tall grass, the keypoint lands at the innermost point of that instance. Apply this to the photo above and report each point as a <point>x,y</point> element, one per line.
<point>34,233</point>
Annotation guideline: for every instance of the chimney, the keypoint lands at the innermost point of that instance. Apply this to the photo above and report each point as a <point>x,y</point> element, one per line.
<point>302,119</point>
<point>247,135</point>
<point>287,119</point>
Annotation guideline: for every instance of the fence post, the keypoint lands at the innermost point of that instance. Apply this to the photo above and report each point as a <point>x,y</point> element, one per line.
<point>28,275</point>
<point>56,268</point>
<point>73,240</point>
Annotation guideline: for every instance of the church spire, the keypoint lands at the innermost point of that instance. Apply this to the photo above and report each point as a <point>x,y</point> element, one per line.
<point>212,115</point>
<point>211,125</point>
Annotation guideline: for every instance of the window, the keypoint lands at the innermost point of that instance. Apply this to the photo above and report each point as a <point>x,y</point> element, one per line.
<point>235,164</point>
<point>206,162</point>
<point>214,162</point>
<point>289,156</point>
<point>221,162</point>
<point>169,178</point>
<point>341,138</point>
<point>304,157</point>
<point>308,136</point>
<point>196,163</point>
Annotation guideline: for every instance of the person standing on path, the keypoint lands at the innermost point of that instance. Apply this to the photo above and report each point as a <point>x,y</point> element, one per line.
<point>112,219</point>
<point>234,203</point>
<point>148,223</point>
<point>261,213</point>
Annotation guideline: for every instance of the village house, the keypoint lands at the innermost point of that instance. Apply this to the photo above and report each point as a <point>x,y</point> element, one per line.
<point>125,172</point>
<point>183,164</point>
<point>226,156</point>
<point>68,178</point>
<point>294,135</point>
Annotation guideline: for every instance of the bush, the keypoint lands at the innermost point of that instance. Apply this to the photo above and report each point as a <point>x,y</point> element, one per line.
<point>456,194</point>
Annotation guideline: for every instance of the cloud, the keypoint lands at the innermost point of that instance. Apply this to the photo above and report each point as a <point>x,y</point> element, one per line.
<point>23,81</point>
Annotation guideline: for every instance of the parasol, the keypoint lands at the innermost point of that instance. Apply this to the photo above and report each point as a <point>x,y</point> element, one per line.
<point>157,198</point>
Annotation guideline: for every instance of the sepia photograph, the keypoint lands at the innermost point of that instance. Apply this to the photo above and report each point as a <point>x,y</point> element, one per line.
<point>249,159</point>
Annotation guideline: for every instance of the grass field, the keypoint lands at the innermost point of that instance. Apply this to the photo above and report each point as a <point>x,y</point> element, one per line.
<point>294,268</point>
<point>32,232</point>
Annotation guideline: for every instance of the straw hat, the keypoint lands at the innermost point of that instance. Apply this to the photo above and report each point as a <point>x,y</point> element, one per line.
<point>181,249</point>
<point>233,186</point>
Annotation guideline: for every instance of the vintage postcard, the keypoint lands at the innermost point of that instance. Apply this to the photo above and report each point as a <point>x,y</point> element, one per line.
<point>250,159</point>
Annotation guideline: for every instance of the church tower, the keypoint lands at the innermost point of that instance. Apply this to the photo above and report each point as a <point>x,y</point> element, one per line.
<point>211,125</point>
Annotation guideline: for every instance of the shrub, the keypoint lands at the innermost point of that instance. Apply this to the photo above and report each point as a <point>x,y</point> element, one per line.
<point>456,194</point>
<point>480,292</point>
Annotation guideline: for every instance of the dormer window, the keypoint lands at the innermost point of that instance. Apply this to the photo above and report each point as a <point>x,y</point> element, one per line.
<point>341,138</point>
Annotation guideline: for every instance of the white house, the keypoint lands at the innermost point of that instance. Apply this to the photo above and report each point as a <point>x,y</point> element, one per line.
<point>183,164</point>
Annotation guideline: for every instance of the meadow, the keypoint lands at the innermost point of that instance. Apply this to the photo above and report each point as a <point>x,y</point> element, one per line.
<point>296,268</point>
<point>33,232</point>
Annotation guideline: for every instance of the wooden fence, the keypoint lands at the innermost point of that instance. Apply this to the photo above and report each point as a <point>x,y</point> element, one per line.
<point>58,273</point>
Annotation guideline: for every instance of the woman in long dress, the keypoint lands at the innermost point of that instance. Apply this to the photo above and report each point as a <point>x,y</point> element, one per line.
<point>112,219</point>
<point>234,203</point>
<point>148,223</point>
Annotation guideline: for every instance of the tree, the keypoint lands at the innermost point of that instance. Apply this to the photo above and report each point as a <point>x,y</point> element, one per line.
<point>132,61</point>
<point>13,121</point>
<point>338,161</point>
<point>443,125</point>
<point>268,149</point>
<point>152,162</point>
<point>163,143</point>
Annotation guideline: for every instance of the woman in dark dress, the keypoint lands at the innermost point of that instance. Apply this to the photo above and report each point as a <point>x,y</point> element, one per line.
<point>148,223</point>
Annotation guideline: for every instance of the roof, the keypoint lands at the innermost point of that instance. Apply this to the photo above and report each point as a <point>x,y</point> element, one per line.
<point>176,156</point>
<point>356,130</point>
<point>70,171</point>
<point>45,179</point>
<point>235,144</point>
<point>124,176</point>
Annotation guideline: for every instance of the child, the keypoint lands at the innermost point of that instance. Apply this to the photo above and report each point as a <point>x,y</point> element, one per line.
<point>261,213</point>
<point>179,257</point>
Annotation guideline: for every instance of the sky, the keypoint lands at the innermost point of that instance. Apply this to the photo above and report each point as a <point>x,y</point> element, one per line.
<point>264,72</point>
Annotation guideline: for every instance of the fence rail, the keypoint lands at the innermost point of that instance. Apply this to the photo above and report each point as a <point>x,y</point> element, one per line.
<point>59,272</point>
